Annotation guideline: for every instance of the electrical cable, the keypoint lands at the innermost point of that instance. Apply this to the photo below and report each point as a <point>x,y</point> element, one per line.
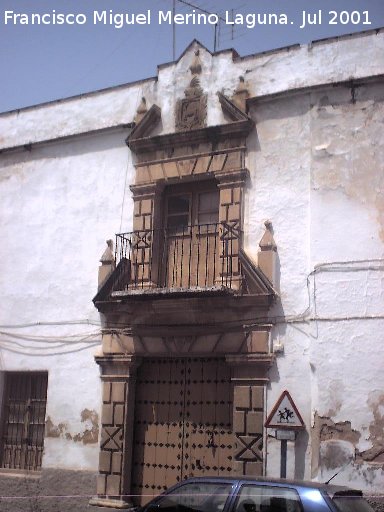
<point>50,354</point>
<point>52,323</point>
<point>125,329</point>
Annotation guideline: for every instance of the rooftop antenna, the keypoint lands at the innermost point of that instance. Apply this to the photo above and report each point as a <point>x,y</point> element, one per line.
<point>190,4</point>
<point>174,30</point>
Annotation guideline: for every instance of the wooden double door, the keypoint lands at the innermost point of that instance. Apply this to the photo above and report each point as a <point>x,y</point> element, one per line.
<point>182,423</point>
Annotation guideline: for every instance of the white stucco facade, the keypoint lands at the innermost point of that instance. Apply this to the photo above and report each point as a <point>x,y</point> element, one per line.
<point>316,161</point>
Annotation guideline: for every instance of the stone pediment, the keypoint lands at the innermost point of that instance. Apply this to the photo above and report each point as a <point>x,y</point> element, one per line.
<point>191,112</point>
<point>147,123</point>
<point>140,139</point>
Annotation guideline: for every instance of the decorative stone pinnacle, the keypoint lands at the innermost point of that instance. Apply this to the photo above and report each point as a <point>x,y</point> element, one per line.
<point>141,110</point>
<point>241,86</point>
<point>267,242</point>
<point>108,257</point>
<point>195,67</point>
<point>143,106</point>
<point>241,94</point>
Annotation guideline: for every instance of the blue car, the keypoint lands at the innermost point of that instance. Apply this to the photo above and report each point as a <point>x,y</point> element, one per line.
<point>244,494</point>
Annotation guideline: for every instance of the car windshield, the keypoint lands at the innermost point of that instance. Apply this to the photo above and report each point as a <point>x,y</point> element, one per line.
<point>352,504</point>
<point>195,497</point>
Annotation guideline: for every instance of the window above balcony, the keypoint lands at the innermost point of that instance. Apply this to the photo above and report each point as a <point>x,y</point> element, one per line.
<point>191,204</point>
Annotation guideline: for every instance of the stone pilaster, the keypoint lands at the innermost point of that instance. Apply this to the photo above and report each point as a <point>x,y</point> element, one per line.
<point>113,484</point>
<point>249,377</point>
<point>144,206</point>
<point>231,185</point>
<point>145,241</point>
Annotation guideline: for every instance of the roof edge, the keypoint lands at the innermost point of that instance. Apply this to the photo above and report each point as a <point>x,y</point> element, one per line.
<point>27,146</point>
<point>235,56</point>
<point>349,82</point>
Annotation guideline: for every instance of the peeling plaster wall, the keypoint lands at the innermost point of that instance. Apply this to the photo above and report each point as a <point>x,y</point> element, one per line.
<point>316,164</point>
<point>59,204</point>
<point>348,180</point>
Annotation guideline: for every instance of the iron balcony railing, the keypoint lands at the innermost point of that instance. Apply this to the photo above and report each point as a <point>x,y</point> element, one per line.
<point>186,257</point>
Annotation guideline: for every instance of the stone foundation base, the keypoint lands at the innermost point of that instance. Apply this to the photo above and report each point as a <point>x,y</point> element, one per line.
<point>109,505</point>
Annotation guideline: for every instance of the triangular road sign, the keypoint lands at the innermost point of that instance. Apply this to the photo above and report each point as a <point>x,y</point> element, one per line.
<point>284,414</point>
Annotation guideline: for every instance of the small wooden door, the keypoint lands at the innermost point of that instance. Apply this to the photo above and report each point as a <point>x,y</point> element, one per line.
<point>191,235</point>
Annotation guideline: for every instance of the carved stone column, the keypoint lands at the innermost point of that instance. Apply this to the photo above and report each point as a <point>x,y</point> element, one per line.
<point>249,377</point>
<point>118,375</point>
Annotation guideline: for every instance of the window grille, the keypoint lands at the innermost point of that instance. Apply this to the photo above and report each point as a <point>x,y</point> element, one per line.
<point>23,425</point>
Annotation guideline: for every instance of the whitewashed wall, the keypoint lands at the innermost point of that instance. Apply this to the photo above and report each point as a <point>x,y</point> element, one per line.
<point>59,204</point>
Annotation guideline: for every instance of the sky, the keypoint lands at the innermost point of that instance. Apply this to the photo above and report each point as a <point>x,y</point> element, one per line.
<point>47,62</point>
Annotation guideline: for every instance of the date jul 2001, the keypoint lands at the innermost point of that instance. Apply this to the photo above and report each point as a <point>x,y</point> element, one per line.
<point>335,18</point>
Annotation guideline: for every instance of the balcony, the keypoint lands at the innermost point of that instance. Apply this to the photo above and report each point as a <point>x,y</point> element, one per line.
<point>195,275</point>
<point>187,258</point>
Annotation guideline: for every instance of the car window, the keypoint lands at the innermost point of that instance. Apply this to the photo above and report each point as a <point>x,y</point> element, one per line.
<point>196,497</point>
<point>254,498</point>
<point>351,504</point>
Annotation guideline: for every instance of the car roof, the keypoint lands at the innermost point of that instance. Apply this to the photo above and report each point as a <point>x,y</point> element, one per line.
<point>329,488</point>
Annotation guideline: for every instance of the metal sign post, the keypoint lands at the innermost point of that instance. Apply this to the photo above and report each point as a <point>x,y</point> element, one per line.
<point>286,419</point>
<point>284,436</point>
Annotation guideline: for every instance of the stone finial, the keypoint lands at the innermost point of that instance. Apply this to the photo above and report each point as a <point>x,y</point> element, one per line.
<point>267,242</point>
<point>267,257</point>
<point>195,67</point>
<point>141,110</point>
<point>108,256</point>
<point>107,261</point>
<point>241,94</point>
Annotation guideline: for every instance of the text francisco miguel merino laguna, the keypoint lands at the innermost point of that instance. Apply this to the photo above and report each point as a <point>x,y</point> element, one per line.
<point>119,20</point>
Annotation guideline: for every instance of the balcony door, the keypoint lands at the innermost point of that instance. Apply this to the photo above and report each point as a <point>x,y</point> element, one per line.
<point>191,246</point>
